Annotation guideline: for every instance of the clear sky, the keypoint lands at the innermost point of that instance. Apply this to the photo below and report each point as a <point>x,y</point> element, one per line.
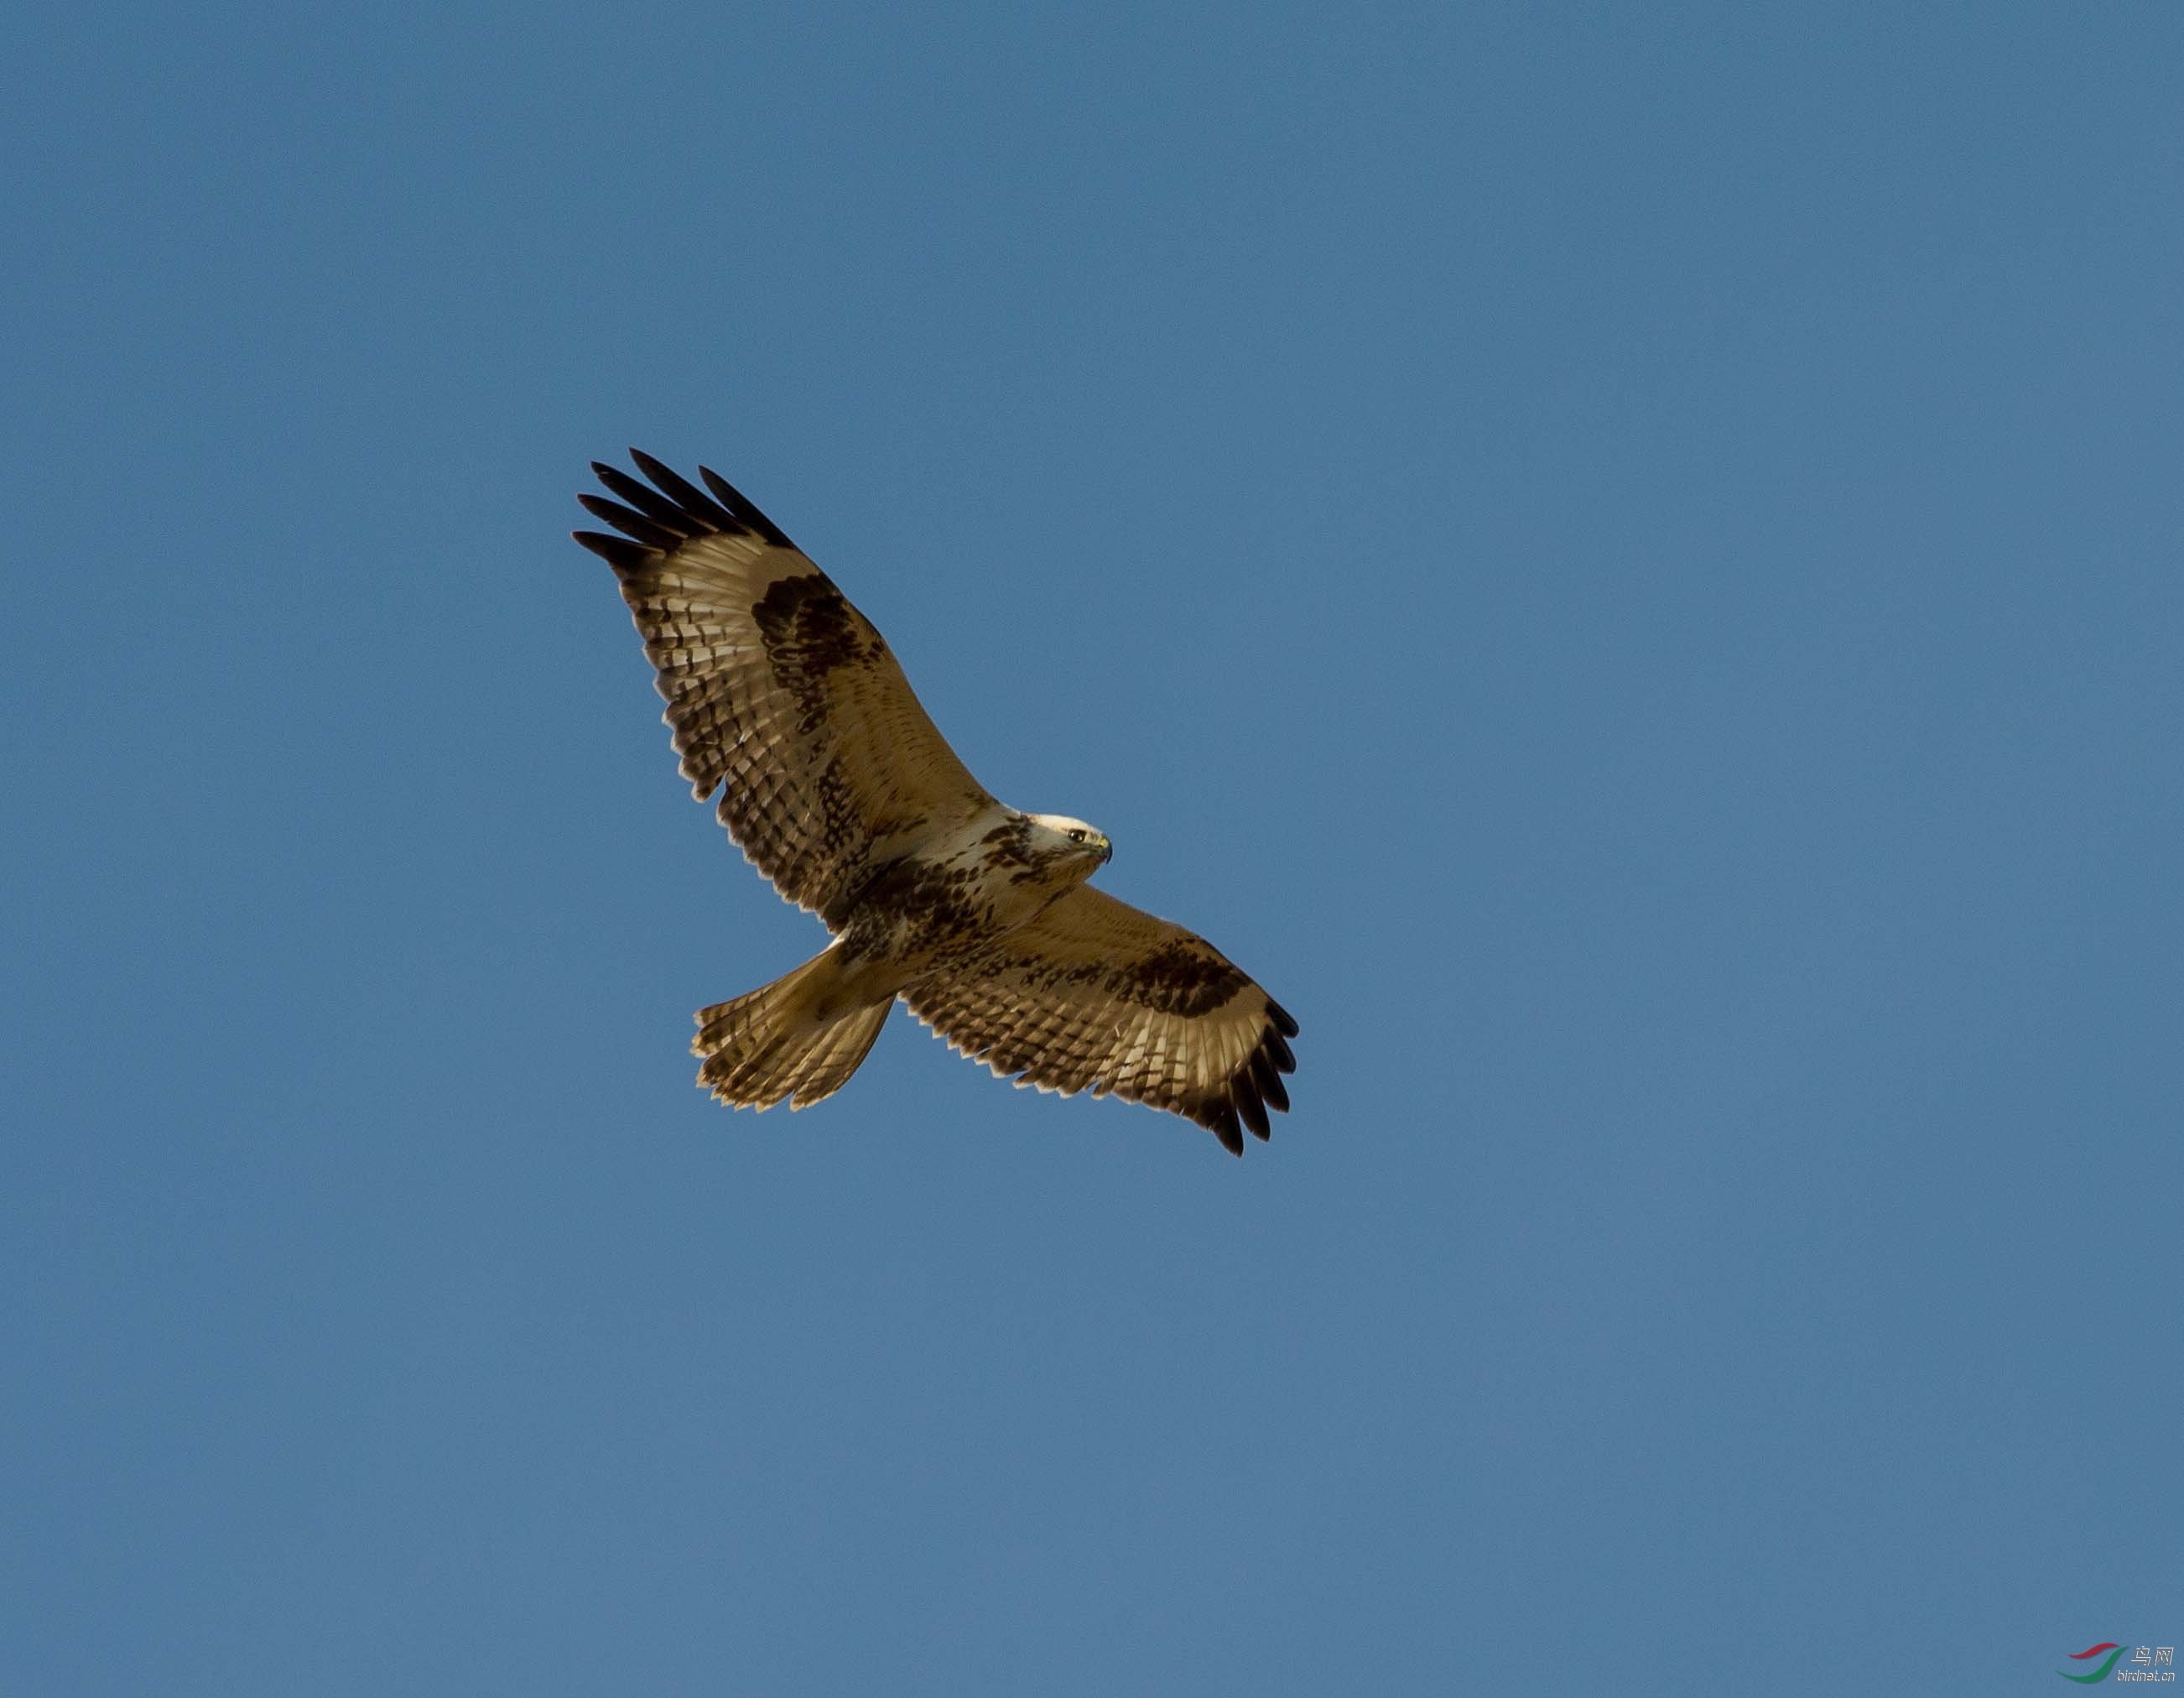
<point>1624,560</point>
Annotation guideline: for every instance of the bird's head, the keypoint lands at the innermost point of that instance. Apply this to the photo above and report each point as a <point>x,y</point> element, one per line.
<point>1073,839</point>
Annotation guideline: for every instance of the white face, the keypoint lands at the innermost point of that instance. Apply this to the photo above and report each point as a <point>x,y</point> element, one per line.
<point>1071,836</point>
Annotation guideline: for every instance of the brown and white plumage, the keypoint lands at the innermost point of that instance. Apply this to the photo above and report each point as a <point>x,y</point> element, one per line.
<point>777,686</point>
<point>839,787</point>
<point>1094,995</point>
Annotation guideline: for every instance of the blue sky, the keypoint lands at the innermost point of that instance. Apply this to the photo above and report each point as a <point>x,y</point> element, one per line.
<point>1624,561</point>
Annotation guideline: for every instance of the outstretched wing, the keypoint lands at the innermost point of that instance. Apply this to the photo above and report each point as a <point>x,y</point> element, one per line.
<point>778,687</point>
<point>1094,995</point>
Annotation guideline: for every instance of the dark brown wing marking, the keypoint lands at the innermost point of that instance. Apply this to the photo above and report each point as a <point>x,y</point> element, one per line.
<point>1094,995</point>
<point>780,694</point>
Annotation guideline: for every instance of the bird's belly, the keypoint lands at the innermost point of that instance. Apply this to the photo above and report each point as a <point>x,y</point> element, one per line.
<point>924,915</point>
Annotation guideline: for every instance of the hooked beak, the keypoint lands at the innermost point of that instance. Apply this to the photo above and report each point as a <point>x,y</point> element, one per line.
<point>1107,852</point>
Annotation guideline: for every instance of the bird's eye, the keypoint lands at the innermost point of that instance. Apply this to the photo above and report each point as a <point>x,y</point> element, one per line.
<point>1075,837</point>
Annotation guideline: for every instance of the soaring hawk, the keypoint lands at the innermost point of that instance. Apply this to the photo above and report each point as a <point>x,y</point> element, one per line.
<point>782,697</point>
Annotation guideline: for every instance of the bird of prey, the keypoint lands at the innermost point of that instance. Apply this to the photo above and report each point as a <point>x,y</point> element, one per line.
<point>840,789</point>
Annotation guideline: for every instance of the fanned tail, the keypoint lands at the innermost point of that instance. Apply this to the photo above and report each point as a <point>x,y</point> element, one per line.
<point>784,1041</point>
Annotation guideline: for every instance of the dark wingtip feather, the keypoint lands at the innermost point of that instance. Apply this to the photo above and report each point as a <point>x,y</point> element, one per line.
<point>744,508</point>
<point>1281,1017</point>
<point>1269,1081</point>
<point>618,552</point>
<point>1284,1057</point>
<point>686,495</point>
<point>1223,1126</point>
<point>629,522</point>
<point>648,501</point>
<point>1246,1103</point>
